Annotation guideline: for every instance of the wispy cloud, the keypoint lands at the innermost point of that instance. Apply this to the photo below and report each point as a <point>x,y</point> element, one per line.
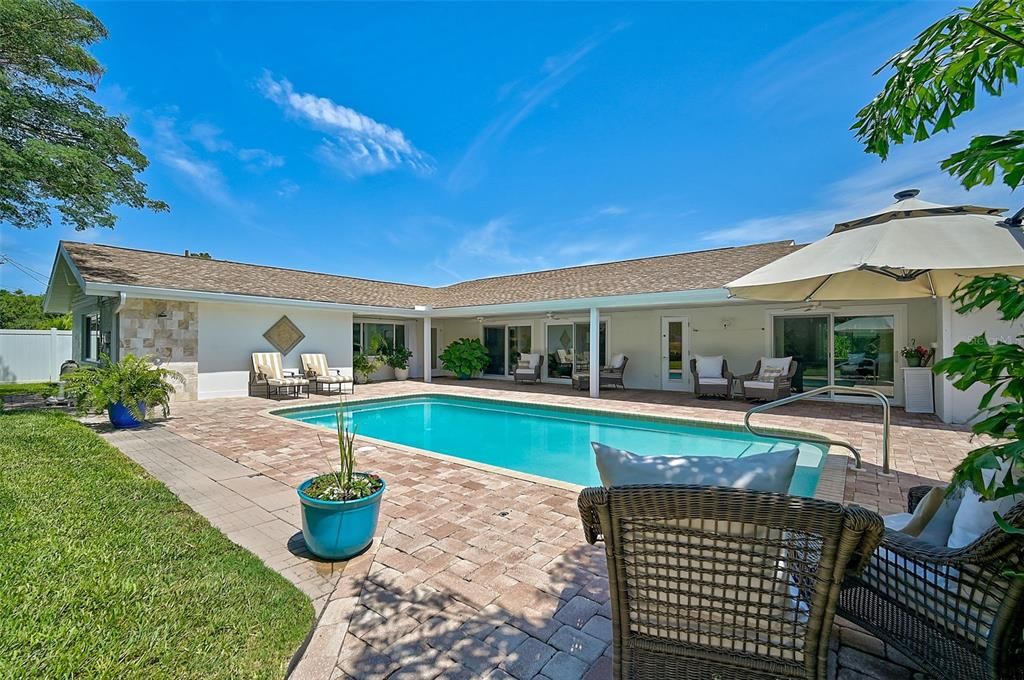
<point>287,188</point>
<point>202,175</point>
<point>911,166</point>
<point>211,138</point>
<point>556,73</point>
<point>259,159</point>
<point>359,145</point>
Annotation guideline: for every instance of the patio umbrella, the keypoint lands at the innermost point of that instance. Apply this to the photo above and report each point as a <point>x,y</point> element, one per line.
<point>866,323</point>
<point>910,249</point>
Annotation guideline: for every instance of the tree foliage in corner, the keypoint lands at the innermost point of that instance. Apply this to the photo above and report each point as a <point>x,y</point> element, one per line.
<point>936,79</point>
<point>1000,367</point>
<point>58,148</point>
<point>23,310</point>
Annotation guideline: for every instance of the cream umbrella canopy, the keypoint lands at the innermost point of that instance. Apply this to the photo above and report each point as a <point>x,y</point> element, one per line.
<point>911,249</point>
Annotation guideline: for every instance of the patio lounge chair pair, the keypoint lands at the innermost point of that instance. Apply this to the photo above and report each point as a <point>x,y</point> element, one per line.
<point>268,373</point>
<point>712,378</point>
<point>610,376</point>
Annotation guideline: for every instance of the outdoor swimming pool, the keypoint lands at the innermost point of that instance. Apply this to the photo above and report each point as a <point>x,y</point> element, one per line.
<point>546,441</point>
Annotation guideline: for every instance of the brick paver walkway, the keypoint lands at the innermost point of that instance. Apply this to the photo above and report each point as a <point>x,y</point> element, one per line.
<point>476,573</point>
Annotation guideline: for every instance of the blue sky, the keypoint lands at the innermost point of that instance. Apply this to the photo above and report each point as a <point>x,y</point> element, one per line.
<point>433,143</point>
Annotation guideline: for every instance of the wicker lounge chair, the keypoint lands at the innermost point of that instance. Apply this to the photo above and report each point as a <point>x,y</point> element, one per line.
<point>267,373</point>
<point>610,376</point>
<point>323,378</point>
<point>723,583</point>
<point>756,387</point>
<point>525,374</point>
<point>953,611</point>
<point>712,387</point>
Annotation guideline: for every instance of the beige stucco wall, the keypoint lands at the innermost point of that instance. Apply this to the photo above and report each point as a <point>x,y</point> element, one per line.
<point>168,330</point>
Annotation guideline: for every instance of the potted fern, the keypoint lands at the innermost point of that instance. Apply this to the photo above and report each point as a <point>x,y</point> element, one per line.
<point>340,509</point>
<point>398,359</point>
<point>128,390</point>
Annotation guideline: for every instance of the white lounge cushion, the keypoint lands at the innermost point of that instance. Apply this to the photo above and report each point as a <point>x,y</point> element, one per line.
<point>759,384</point>
<point>974,517</point>
<point>618,360</point>
<point>777,366</point>
<point>712,381</point>
<point>525,371</point>
<point>709,367</point>
<point>760,472</point>
<point>331,378</point>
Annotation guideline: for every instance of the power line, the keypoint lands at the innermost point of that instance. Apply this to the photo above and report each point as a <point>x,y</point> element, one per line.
<point>24,269</point>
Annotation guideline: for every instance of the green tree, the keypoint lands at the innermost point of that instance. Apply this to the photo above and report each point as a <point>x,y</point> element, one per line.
<point>58,148</point>
<point>936,79</point>
<point>21,310</point>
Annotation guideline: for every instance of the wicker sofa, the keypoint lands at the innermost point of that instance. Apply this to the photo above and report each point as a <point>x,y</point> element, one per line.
<point>711,582</point>
<point>956,612</point>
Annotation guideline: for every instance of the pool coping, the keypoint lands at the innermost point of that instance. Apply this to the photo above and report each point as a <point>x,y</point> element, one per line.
<point>831,481</point>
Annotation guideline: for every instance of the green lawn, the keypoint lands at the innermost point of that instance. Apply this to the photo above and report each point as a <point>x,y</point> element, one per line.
<point>105,573</point>
<point>43,388</point>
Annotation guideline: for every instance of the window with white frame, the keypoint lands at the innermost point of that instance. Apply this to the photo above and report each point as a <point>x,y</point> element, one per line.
<point>368,335</point>
<point>91,337</point>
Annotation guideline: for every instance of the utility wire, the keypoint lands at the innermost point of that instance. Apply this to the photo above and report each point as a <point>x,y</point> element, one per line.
<point>24,269</point>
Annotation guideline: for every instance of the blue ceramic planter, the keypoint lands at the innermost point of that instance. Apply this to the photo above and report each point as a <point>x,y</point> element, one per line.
<point>338,530</point>
<point>121,418</point>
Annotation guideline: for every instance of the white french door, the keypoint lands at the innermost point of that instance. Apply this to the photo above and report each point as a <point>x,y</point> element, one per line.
<point>675,353</point>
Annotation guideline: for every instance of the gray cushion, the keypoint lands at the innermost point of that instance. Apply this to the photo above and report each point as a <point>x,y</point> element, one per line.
<point>939,527</point>
<point>760,472</point>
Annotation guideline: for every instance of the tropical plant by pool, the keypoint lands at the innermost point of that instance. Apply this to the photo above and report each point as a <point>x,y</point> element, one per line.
<point>465,357</point>
<point>340,509</point>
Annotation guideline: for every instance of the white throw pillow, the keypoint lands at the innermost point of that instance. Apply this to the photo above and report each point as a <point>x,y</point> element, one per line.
<point>782,364</point>
<point>709,367</point>
<point>531,359</point>
<point>760,472</point>
<point>974,517</point>
<point>618,360</point>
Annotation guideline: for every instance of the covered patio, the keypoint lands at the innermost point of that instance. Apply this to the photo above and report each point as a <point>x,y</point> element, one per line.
<point>476,573</point>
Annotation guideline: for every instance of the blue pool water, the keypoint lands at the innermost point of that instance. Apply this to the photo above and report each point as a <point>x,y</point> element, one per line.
<point>546,441</point>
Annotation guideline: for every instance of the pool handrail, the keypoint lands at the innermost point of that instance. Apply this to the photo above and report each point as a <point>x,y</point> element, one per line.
<point>867,391</point>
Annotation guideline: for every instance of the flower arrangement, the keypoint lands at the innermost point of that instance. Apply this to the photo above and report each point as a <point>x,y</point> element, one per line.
<point>918,355</point>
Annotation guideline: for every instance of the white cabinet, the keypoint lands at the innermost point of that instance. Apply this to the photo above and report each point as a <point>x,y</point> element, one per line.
<point>918,390</point>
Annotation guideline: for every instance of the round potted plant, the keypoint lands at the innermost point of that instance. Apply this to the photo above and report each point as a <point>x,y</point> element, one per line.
<point>128,390</point>
<point>465,357</point>
<point>364,366</point>
<point>340,509</point>
<point>398,359</point>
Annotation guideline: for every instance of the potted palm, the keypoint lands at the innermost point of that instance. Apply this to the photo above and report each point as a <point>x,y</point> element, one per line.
<point>398,359</point>
<point>340,509</point>
<point>364,366</point>
<point>465,357</point>
<point>128,390</point>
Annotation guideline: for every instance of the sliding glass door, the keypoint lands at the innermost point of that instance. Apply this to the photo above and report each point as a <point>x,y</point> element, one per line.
<point>840,348</point>
<point>504,346</point>
<point>560,348</point>
<point>494,341</point>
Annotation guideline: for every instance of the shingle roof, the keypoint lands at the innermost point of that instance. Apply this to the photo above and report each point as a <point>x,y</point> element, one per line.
<point>666,273</point>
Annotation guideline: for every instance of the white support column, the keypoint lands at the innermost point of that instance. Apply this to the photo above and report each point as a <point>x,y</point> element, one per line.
<point>428,350</point>
<point>595,348</point>
<point>944,390</point>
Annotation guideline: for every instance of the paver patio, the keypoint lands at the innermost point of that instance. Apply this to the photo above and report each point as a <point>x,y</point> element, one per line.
<point>477,573</point>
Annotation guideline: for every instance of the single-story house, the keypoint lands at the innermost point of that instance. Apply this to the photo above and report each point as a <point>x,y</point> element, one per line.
<point>204,317</point>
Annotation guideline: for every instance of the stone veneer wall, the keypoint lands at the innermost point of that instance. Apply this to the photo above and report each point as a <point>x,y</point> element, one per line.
<point>172,339</point>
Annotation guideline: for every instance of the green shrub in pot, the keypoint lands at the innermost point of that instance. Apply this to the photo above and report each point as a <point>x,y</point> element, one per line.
<point>129,388</point>
<point>465,357</point>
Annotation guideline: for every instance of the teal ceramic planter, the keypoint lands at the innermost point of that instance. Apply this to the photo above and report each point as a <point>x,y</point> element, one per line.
<point>338,530</point>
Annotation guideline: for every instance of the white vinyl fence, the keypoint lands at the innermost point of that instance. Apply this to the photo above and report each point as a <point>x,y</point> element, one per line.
<point>33,356</point>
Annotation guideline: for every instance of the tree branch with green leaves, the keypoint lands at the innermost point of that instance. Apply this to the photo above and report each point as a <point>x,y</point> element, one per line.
<point>936,79</point>
<point>1000,367</point>
<point>60,150</point>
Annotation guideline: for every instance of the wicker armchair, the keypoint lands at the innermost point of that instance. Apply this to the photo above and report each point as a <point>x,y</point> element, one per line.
<point>953,611</point>
<point>528,375</point>
<point>713,387</point>
<point>723,583</point>
<point>765,390</point>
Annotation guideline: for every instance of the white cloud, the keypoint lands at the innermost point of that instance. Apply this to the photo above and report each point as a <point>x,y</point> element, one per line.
<point>259,159</point>
<point>202,175</point>
<point>287,188</point>
<point>557,72</point>
<point>210,137</point>
<point>359,144</point>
